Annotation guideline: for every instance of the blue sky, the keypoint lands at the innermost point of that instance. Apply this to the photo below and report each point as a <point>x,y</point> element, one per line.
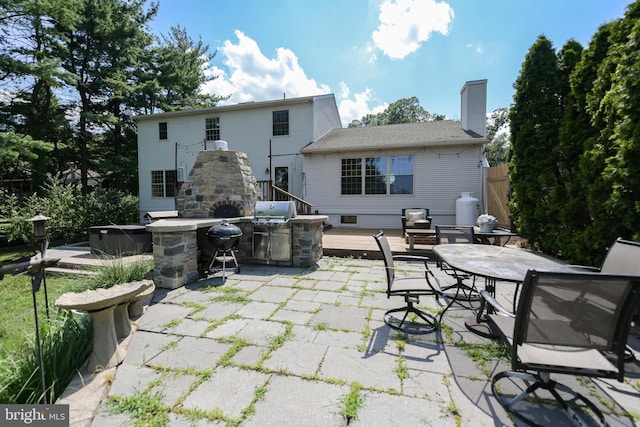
<point>370,53</point>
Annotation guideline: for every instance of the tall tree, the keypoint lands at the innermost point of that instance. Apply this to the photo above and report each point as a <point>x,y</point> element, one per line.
<point>619,113</point>
<point>172,73</point>
<point>534,119</point>
<point>32,69</point>
<point>405,110</point>
<point>564,154</point>
<point>581,171</point>
<point>101,51</point>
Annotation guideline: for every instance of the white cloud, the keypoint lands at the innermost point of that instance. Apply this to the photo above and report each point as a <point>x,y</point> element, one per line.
<point>406,24</point>
<point>477,48</point>
<point>252,76</point>
<point>358,106</point>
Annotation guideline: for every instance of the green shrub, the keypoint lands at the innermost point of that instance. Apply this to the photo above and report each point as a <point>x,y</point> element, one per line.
<point>66,344</point>
<point>116,271</point>
<point>71,212</point>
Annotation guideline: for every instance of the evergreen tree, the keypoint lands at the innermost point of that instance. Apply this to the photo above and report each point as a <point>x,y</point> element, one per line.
<point>102,48</point>
<point>580,171</point>
<point>621,132</point>
<point>535,120</point>
<point>33,120</point>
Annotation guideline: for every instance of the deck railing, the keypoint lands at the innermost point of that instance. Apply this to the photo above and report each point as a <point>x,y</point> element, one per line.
<point>271,192</point>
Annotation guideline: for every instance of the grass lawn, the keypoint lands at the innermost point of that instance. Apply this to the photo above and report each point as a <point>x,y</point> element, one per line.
<point>17,322</point>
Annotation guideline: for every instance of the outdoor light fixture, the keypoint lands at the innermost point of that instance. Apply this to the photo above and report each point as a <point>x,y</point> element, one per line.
<point>37,276</point>
<point>39,227</point>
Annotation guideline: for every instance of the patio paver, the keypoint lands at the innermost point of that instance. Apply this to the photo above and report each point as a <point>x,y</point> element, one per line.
<point>277,346</point>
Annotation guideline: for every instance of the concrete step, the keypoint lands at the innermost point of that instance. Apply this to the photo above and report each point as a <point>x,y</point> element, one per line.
<point>70,271</point>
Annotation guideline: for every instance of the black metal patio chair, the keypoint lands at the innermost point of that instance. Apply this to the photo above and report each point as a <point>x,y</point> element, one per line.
<point>566,323</point>
<point>464,286</point>
<point>411,289</point>
<point>623,257</point>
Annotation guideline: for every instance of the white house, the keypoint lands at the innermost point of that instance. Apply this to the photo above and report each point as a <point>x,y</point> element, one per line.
<point>363,177</point>
<point>272,133</point>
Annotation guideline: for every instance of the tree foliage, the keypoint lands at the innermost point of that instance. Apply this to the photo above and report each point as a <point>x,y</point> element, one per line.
<point>73,74</point>
<point>575,127</point>
<point>497,149</point>
<point>405,110</point>
<point>535,118</point>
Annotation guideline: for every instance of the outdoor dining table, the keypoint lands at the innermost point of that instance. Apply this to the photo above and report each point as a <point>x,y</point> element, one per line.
<point>494,264</point>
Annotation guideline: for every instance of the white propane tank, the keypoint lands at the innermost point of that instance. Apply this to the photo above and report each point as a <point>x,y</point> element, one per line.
<point>467,209</point>
<point>221,145</point>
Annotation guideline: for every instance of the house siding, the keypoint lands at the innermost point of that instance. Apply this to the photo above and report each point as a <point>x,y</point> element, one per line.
<point>248,130</point>
<point>474,106</point>
<point>440,175</point>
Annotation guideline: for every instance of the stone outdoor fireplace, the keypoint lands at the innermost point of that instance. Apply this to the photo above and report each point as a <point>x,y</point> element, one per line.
<point>220,185</point>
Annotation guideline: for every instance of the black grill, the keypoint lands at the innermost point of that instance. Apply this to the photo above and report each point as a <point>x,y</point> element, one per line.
<point>224,238</point>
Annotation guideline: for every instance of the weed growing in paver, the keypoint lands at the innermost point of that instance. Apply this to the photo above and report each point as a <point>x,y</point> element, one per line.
<point>279,340</point>
<point>170,345</point>
<point>634,416</point>
<point>447,332</point>
<point>451,409</point>
<point>232,298</point>
<point>402,370</point>
<point>172,324</point>
<point>482,354</point>
<point>352,402</point>
<point>320,327</point>
<point>237,345</point>
<point>194,306</point>
<point>259,394</point>
<point>214,324</point>
<point>366,334</point>
<point>146,409</point>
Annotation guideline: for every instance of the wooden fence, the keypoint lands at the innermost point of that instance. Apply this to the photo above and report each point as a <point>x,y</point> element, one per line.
<point>498,191</point>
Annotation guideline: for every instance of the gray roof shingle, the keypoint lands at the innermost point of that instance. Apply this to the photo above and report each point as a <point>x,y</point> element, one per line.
<point>437,133</point>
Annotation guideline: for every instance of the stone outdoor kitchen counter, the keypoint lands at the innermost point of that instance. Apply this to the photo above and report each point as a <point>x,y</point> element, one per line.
<point>176,244</point>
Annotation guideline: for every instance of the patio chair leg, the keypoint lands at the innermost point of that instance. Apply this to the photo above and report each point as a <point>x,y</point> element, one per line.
<point>430,322</point>
<point>542,381</point>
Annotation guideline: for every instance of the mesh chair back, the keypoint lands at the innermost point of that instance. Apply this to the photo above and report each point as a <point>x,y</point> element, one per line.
<point>387,256</point>
<point>623,258</point>
<point>586,310</point>
<point>454,234</point>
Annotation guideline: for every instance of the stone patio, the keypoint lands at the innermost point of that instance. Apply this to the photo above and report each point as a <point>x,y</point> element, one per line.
<point>278,346</point>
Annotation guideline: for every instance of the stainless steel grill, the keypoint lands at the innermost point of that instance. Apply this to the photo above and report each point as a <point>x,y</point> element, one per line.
<point>272,230</point>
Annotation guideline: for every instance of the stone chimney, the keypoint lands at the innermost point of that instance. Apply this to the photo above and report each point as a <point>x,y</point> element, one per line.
<point>473,114</point>
<point>221,184</point>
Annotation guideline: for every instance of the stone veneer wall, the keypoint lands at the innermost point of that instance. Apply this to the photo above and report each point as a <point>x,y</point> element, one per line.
<point>217,178</point>
<point>176,258</point>
<point>306,241</point>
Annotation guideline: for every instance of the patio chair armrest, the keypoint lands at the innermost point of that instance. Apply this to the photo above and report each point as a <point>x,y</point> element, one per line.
<point>584,268</point>
<point>486,296</point>
<point>411,258</point>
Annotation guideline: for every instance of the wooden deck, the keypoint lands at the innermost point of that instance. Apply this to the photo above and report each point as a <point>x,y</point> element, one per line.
<point>359,242</point>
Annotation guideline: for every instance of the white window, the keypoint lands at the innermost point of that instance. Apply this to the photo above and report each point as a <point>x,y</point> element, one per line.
<point>377,175</point>
<point>163,183</point>
<point>212,128</point>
